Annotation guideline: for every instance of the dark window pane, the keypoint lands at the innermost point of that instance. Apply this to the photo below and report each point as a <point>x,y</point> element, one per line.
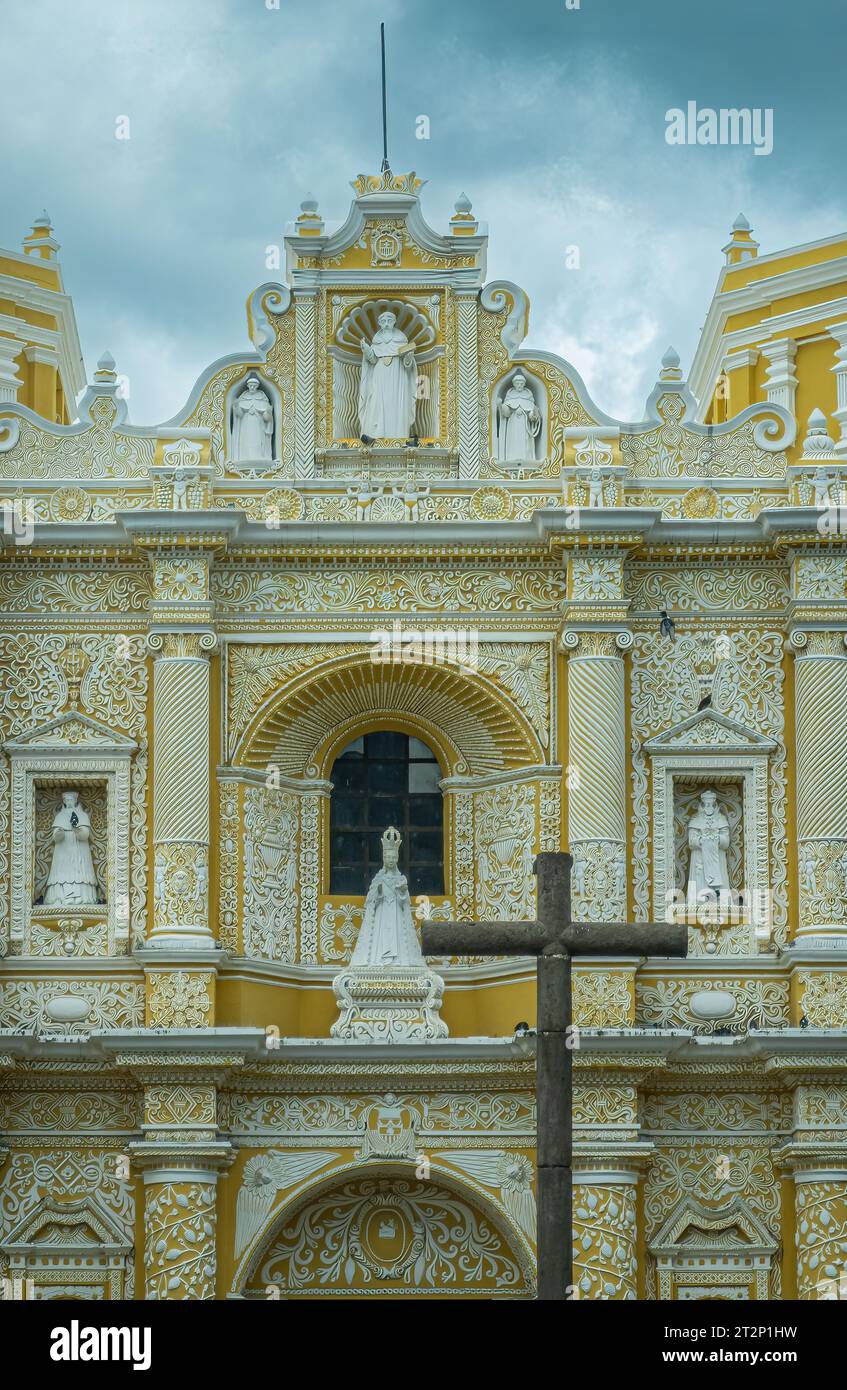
<point>349,776</point>
<point>387,777</point>
<point>375,846</point>
<point>425,810</point>
<point>348,811</point>
<point>376,784</point>
<point>425,845</point>
<point>387,745</point>
<point>426,878</point>
<point>349,881</point>
<point>346,847</point>
<point>388,810</point>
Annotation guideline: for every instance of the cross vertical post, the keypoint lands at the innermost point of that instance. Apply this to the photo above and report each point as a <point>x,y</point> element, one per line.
<point>554,939</point>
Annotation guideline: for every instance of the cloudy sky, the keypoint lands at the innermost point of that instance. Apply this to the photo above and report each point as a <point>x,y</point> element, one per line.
<point>551,119</point>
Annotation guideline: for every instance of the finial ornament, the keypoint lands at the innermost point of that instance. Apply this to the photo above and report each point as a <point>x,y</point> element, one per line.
<point>106,371</point>
<point>741,246</point>
<point>818,442</point>
<point>670,366</point>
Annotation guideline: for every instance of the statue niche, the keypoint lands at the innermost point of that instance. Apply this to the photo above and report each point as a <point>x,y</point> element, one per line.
<point>519,421</point>
<point>709,849</point>
<point>254,420</point>
<point>65,853</point>
<point>385,360</point>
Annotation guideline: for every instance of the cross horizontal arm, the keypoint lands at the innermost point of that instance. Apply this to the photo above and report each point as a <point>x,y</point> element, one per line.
<point>626,939</point>
<point>483,938</point>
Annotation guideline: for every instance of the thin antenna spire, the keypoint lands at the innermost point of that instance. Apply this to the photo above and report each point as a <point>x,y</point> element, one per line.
<point>385,164</point>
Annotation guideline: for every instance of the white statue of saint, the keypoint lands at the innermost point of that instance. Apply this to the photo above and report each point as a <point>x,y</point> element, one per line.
<point>72,881</point>
<point>387,383</point>
<point>387,936</point>
<point>708,839</point>
<point>520,423</point>
<point>252,424</point>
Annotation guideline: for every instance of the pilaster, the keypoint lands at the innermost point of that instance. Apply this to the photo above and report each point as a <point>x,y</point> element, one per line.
<point>820,681</point>
<point>595,638</point>
<point>839,333</point>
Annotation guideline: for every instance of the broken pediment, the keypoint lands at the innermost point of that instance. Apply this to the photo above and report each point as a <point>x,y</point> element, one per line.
<point>708,731</point>
<point>81,1227</point>
<point>695,1230</point>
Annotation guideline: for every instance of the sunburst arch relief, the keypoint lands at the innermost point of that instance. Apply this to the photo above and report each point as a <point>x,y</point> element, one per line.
<point>473,727</point>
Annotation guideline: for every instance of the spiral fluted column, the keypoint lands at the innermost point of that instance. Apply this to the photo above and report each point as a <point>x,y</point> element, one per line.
<point>820,679</point>
<point>596,772</point>
<point>181,708</point>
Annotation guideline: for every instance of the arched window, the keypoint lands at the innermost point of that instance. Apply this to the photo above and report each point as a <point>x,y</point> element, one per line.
<point>384,779</point>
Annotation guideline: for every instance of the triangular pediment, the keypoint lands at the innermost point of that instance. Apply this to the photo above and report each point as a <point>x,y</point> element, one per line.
<point>68,1226</point>
<point>710,731</point>
<point>695,1229</point>
<point>71,730</point>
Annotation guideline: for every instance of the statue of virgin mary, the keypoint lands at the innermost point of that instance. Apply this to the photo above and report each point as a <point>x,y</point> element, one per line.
<point>387,936</point>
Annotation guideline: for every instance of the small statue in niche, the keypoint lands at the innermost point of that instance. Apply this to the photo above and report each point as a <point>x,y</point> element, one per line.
<point>252,424</point>
<point>72,881</point>
<point>387,386</point>
<point>520,423</point>
<point>708,839</point>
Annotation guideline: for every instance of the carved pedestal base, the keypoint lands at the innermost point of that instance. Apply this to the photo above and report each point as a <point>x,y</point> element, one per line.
<point>388,1005</point>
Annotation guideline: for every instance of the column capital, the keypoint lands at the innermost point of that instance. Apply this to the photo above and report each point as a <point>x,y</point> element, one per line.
<point>587,640</point>
<point>173,1161</point>
<point>181,643</point>
<point>808,640</point>
<point>606,1164</point>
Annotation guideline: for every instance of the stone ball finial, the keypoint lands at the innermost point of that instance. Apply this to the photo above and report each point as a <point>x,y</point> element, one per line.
<point>463,203</point>
<point>309,204</point>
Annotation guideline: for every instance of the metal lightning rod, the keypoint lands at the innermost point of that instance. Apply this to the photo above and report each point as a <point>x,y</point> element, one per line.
<point>385,164</point>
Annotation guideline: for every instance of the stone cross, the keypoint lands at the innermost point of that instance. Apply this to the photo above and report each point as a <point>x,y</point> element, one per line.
<point>554,939</point>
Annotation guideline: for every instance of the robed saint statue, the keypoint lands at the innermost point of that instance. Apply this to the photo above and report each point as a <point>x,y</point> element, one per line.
<point>387,386</point>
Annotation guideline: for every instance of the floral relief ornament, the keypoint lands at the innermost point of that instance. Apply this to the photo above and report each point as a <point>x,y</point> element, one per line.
<point>180,1000</point>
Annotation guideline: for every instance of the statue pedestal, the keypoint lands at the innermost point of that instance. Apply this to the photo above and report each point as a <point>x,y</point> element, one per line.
<point>388,1004</point>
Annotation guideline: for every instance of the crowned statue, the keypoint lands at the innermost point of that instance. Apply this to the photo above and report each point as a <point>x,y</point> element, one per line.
<point>72,881</point>
<point>387,387</point>
<point>388,935</point>
<point>387,993</point>
<point>252,424</point>
<point>708,839</point>
<point>520,423</point>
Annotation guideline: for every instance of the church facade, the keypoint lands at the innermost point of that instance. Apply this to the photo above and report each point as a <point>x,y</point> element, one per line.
<point>392,567</point>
